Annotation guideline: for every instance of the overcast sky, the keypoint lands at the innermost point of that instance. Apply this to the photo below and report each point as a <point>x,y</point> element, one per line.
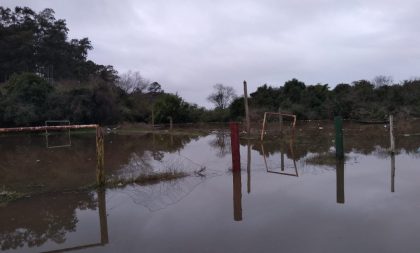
<point>188,46</point>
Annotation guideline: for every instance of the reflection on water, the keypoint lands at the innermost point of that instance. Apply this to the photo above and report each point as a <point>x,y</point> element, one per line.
<point>340,180</point>
<point>271,169</point>
<point>237,196</point>
<point>392,172</point>
<point>325,206</point>
<point>159,196</point>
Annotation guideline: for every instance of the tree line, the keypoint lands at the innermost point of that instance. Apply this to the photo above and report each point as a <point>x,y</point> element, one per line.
<point>360,100</point>
<point>44,75</point>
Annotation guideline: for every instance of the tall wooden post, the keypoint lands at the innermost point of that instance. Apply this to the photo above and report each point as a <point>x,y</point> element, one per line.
<point>248,127</point>
<point>339,148</point>
<point>280,121</point>
<point>234,140</point>
<point>100,174</point>
<point>153,118</point>
<point>170,123</point>
<point>391,133</point>
<point>263,127</point>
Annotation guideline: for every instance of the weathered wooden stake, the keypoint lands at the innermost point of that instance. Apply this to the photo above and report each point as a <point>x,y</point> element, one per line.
<point>237,196</point>
<point>170,124</point>
<point>248,127</point>
<point>100,174</point>
<point>280,121</point>
<point>339,148</point>
<point>234,140</point>
<point>153,118</point>
<point>391,133</point>
<point>263,127</point>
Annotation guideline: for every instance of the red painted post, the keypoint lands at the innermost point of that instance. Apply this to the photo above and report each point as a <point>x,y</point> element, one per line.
<point>234,140</point>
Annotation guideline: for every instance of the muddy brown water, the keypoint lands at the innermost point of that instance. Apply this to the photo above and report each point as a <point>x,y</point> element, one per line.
<point>291,195</point>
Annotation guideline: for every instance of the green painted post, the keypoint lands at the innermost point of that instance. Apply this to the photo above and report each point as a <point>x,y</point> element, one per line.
<point>339,147</point>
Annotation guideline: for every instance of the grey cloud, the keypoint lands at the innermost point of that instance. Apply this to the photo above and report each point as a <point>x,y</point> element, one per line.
<point>188,46</point>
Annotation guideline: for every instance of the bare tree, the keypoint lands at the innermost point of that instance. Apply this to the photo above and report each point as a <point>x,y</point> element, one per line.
<point>132,81</point>
<point>222,96</point>
<point>382,80</point>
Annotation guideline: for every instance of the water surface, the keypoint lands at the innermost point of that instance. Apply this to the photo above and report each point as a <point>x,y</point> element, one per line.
<point>290,196</point>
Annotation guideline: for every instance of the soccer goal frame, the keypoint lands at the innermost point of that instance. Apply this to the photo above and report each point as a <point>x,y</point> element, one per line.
<point>281,115</point>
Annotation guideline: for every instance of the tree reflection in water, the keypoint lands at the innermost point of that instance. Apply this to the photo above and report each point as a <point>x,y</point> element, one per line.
<point>34,221</point>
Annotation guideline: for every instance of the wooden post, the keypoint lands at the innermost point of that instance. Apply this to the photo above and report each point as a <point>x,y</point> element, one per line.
<point>153,118</point>
<point>280,121</point>
<point>263,127</point>
<point>237,196</point>
<point>339,149</point>
<point>248,127</point>
<point>234,140</point>
<point>100,174</point>
<point>391,133</point>
<point>170,123</point>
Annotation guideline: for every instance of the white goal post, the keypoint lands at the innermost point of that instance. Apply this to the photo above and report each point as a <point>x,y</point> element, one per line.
<point>281,115</point>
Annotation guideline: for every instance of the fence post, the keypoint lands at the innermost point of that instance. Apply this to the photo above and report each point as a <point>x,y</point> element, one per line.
<point>280,121</point>
<point>339,149</point>
<point>100,175</point>
<point>391,133</point>
<point>234,140</point>
<point>170,123</point>
<point>248,127</point>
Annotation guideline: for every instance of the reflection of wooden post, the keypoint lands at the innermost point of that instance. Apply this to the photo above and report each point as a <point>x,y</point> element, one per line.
<point>340,180</point>
<point>102,216</point>
<point>234,140</point>
<point>282,160</point>
<point>248,127</point>
<point>391,133</point>
<point>248,168</point>
<point>392,172</point>
<point>339,149</point>
<point>100,174</point>
<point>237,196</point>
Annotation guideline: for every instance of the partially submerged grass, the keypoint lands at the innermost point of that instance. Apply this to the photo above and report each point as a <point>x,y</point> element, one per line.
<point>325,159</point>
<point>147,179</point>
<point>9,196</point>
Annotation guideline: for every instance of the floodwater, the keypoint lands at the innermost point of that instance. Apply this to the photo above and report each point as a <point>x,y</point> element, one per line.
<point>291,195</point>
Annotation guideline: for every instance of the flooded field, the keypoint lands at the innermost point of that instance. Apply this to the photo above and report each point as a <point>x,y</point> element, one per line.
<point>291,195</point>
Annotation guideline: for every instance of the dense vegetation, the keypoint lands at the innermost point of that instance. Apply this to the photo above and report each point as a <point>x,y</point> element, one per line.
<point>45,75</point>
<point>361,100</point>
